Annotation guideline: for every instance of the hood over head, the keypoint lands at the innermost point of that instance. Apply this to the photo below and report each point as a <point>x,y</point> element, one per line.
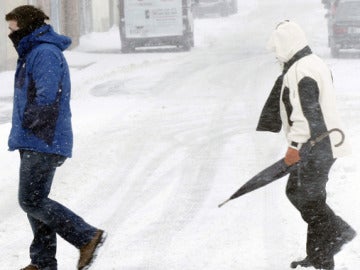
<point>43,34</point>
<point>286,40</point>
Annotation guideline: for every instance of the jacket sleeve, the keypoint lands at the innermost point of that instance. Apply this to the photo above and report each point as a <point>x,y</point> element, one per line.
<point>306,118</point>
<point>46,75</point>
<point>44,92</point>
<point>309,93</point>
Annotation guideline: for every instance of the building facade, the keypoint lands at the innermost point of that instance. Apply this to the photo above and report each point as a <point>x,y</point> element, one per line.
<point>68,17</point>
<point>7,52</point>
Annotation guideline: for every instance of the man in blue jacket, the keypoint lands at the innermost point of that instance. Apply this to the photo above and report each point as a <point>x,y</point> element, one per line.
<point>41,131</point>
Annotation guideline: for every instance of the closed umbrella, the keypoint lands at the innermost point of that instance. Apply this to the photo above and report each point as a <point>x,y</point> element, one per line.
<point>279,169</point>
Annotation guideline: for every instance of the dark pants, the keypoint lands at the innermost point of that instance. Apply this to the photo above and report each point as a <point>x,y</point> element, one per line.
<point>47,217</point>
<point>306,189</point>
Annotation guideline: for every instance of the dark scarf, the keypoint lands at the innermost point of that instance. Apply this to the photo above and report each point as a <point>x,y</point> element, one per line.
<point>270,119</point>
<point>18,35</point>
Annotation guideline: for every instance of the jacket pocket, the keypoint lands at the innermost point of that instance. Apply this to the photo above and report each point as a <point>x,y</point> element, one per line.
<point>41,120</point>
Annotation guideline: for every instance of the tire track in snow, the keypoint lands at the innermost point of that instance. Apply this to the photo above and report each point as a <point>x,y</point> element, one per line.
<point>186,198</point>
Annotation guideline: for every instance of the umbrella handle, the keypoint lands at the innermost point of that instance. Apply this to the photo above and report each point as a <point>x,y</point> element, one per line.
<point>326,134</point>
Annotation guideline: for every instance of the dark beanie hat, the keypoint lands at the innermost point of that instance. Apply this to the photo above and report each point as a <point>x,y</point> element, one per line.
<point>27,16</point>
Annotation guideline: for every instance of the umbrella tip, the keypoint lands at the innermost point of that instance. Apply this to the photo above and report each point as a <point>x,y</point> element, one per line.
<point>221,204</point>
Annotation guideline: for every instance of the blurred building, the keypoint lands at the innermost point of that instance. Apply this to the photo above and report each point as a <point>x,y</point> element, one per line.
<point>7,52</point>
<point>69,17</point>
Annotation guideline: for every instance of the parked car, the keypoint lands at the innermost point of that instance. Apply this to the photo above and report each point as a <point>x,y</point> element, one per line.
<point>148,23</point>
<point>327,3</point>
<point>221,7</point>
<point>344,31</point>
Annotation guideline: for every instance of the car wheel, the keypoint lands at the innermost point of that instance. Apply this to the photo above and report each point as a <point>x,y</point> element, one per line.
<point>191,39</point>
<point>126,47</point>
<point>126,50</point>
<point>334,51</point>
<point>186,45</point>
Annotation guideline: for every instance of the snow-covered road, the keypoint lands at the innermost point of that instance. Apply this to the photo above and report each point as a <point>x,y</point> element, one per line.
<point>161,138</point>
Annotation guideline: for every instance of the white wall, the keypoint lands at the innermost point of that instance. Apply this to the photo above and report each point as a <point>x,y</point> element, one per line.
<point>8,54</point>
<point>102,15</point>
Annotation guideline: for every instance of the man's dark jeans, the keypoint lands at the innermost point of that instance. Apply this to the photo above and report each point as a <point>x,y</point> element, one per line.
<point>306,189</point>
<point>47,217</point>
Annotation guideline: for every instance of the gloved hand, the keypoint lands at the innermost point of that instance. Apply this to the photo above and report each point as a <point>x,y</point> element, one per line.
<point>292,156</point>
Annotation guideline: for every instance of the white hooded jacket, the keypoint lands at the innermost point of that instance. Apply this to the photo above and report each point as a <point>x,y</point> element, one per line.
<point>307,100</point>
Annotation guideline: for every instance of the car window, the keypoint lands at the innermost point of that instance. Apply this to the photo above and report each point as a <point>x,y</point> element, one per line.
<point>348,11</point>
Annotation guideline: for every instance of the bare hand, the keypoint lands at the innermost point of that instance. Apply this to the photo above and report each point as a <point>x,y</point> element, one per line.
<point>292,156</point>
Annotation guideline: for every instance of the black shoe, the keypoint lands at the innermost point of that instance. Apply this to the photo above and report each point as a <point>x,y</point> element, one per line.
<point>345,237</point>
<point>325,264</point>
<point>328,265</point>
<point>303,263</point>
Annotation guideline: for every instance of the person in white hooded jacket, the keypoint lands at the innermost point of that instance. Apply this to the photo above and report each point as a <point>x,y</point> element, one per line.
<point>302,103</point>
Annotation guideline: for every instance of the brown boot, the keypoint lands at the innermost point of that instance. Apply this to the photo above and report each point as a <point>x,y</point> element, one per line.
<point>30,267</point>
<point>89,251</point>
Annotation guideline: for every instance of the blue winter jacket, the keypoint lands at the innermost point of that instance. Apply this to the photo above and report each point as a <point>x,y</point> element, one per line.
<point>41,118</point>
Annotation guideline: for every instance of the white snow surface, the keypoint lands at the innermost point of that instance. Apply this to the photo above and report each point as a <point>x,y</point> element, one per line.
<point>161,138</point>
